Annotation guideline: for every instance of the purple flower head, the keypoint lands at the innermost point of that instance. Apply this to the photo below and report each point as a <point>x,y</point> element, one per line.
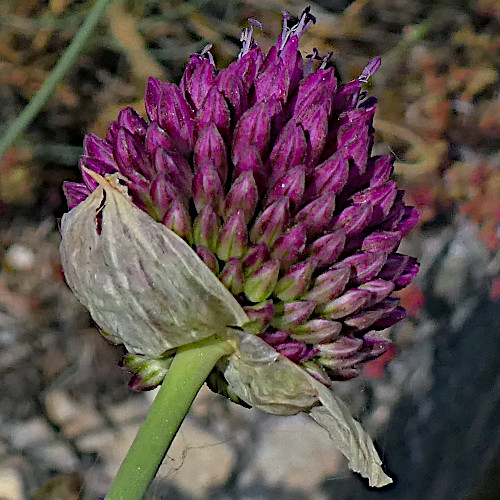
<point>265,169</point>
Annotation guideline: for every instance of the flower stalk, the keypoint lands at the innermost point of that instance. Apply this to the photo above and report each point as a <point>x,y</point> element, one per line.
<point>189,370</point>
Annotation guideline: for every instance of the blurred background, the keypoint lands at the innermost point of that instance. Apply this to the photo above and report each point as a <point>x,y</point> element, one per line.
<point>66,414</point>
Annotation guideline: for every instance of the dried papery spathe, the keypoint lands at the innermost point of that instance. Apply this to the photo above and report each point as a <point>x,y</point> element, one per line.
<point>266,380</point>
<point>143,285</point>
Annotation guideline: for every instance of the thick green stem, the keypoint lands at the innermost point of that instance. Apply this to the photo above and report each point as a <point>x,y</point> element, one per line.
<point>56,75</point>
<point>190,368</point>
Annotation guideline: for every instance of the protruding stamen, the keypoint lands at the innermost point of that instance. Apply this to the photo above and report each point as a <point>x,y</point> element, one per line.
<point>309,63</point>
<point>206,52</point>
<point>306,19</point>
<point>370,69</point>
<point>246,36</point>
<point>325,59</point>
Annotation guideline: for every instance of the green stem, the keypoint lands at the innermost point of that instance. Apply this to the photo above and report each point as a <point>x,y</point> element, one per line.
<point>56,75</point>
<point>190,368</point>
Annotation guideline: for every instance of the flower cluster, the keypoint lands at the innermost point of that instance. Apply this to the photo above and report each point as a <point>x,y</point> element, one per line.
<point>265,169</point>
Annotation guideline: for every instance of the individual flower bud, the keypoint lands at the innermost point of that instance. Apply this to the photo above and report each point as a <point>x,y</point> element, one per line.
<point>208,258</point>
<point>290,246</point>
<point>288,152</point>
<point>291,184</point>
<point>290,314</point>
<point>175,116</point>
<point>211,145</point>
<point>131,121</point>
<point>260,316</point>
<point>368,317</point>
<point>271,222</point>
<point>206,228</point>
<point>260,283</point>
<point>295,282</point>
<point>214,111</point>
<point>343,347</point>
<point>326,249</point>
<point>348,303</point>
<point>331,176</point>
<point>255,257</point>
<point>329,285</point>
<point>99,149</point>
<point>253,129</point>
<point>316,331</point>
<point>243,196</point>
<point>232,276</point>
<point>207,188</point>
<point>177,220</point>
<point>233,238</point>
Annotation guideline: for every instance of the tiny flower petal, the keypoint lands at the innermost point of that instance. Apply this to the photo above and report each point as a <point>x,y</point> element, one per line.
<point>326,250</point>
<point>316,331</point>
<point>255,257</point>
<point>329,285</point>
<point>270,224</point>
<point>290,246</point>
<point>260,316</point>
<point>232,276</point>
<point>295,282</point>
<point>233,238</point>
<point>207,187</point>
<point>290,314</point>
<point>206,228</point>
<point>243,196</point>
<point>348,303</point>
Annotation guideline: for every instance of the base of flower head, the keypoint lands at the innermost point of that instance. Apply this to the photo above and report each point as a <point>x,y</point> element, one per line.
<point>265,170</point>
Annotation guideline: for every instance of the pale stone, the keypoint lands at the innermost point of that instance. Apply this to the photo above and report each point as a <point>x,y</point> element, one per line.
<point>74,417</point>
<point>295,451</point>
<point>10,485</point>
<point>131,409</point>
<point>26,434</point>
<point>197,461</point>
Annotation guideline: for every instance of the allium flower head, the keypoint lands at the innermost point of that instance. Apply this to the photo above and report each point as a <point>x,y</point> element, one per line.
<point>265,170</point>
